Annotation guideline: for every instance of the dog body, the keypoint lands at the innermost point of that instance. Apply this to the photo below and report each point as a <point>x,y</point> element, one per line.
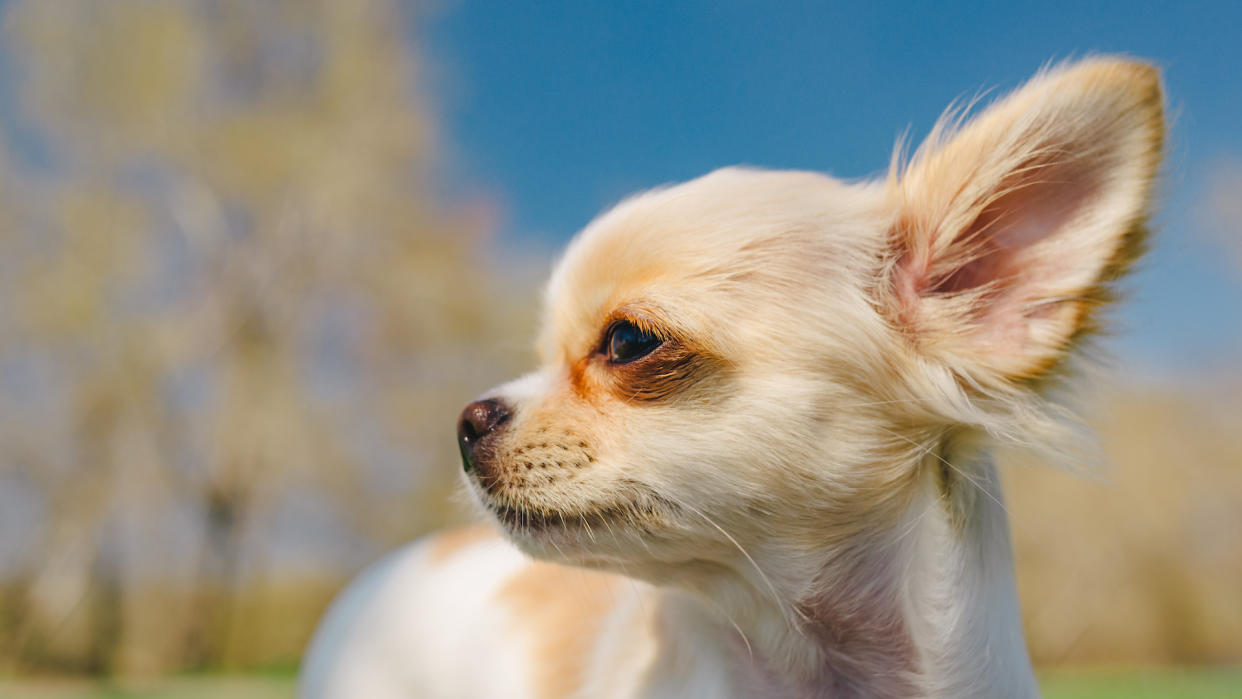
<point>754,460</point>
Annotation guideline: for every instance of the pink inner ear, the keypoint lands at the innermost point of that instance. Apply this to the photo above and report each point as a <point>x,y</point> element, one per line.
<point>999,249</point>
<point>1012,255</point>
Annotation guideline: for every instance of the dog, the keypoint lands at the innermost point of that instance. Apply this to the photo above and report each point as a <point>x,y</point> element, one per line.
<point>754,461</point>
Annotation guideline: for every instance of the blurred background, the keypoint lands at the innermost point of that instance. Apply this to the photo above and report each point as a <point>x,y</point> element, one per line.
<point>255,256</point>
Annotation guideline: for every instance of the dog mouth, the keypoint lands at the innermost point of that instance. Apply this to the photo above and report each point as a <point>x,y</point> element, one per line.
<point>518,518</point>
<point>642,512</point>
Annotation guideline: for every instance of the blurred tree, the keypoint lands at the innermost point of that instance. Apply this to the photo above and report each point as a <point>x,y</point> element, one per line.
<point>230,295</point>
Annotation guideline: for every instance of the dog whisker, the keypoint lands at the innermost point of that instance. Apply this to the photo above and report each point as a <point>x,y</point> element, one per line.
<point>776,596</point>
<point>928,451</point>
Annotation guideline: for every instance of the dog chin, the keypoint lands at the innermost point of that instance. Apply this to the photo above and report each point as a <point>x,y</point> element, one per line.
<point>609,537</point>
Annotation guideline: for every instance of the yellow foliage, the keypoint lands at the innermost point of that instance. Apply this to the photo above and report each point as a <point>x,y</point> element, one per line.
<point>234,293</point>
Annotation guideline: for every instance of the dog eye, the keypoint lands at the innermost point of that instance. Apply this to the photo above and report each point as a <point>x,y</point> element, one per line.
<point>627,342</point>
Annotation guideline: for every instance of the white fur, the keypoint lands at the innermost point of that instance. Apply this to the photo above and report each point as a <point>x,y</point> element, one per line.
<point>799,474</point>
<point>397,628</point>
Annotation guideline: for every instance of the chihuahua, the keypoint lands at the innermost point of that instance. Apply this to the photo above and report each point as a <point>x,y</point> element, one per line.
<point>754,461</point>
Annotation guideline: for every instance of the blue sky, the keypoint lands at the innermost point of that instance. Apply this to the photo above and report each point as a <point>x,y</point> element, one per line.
<point>558,109</point>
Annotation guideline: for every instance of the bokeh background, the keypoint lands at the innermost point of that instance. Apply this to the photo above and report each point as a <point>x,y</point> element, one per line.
<point>255,256</point>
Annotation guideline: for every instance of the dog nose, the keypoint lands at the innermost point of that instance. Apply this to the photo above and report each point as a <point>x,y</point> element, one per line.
<point>477,421</point>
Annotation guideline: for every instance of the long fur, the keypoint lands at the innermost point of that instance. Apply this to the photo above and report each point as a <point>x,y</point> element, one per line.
<point>792,494</point>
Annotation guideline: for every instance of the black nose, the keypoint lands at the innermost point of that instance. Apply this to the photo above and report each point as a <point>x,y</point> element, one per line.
<point>477,421</point>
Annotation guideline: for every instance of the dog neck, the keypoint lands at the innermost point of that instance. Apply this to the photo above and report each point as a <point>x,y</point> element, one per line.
<point>927,608</point>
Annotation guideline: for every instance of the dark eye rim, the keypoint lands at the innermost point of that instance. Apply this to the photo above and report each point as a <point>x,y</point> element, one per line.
<point>606,345</point>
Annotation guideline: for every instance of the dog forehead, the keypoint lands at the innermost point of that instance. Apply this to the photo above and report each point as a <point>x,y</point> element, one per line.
<point>673,242</point>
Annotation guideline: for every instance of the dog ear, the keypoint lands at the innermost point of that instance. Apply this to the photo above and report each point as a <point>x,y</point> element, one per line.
<point>1010,228</point>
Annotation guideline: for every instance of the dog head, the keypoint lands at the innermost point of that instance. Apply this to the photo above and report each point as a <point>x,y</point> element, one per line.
<point>762,360</point>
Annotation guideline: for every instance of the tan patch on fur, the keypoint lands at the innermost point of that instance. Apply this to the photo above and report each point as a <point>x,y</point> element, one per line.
<point>578,379</point>
<point>450,543</point>
<point>563,610</point>
<point>670,370</point>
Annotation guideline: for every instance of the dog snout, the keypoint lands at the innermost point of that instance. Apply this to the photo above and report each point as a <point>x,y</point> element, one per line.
<point>479,422</point>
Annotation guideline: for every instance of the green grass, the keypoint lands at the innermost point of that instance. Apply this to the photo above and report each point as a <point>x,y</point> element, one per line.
<point>1140,684</point>
<point>1144,684</point>
<point>189,687</point>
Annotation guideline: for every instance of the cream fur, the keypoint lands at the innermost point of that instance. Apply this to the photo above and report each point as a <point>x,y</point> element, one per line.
<point>810,508</point>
